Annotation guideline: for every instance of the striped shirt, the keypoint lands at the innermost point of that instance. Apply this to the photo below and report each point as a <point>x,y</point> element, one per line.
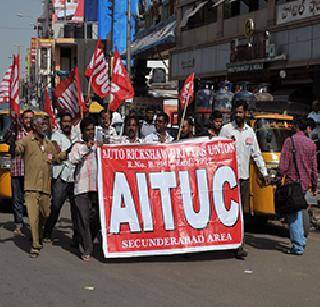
<point>306,159</point>
<point>17,164</point>
<point>86,172</point>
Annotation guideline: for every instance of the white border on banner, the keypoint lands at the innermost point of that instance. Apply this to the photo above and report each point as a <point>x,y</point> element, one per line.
<point>172,251</point>
<point>101,206</point>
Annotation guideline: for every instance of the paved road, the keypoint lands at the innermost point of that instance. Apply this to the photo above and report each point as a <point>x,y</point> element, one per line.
<point>59,278</point>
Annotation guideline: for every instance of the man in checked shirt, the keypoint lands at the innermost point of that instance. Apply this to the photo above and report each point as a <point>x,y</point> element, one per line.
<point>306,162</point>
<point>17,169</point>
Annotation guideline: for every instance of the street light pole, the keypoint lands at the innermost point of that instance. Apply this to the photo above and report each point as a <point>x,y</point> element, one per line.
<point>37,64</point>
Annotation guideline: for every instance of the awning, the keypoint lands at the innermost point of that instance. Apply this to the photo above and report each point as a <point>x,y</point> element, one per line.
<point>164,35</point>
<point>191,12</point>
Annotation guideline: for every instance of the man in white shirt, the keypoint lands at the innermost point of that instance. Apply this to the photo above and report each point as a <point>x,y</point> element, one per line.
<point>62,178</point>
<point>246,147</point>
<point>131,127</point>
<point>148,126</point>
<point>161,135</point>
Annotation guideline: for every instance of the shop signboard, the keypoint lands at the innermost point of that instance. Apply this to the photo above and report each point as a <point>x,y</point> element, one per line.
<point>296,10</point>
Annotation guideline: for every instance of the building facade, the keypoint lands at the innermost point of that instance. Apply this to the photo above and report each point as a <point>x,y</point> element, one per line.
<point>274,42</point>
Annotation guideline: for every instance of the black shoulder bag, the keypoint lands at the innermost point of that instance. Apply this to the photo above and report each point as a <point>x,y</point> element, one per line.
<point>290,197</point>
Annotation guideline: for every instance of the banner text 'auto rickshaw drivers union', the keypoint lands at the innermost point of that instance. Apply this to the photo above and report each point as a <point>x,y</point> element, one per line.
<point>169,198</point>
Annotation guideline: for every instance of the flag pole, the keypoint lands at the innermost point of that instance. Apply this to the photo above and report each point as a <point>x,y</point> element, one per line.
<point>89,89</point>
<point>182,120</point>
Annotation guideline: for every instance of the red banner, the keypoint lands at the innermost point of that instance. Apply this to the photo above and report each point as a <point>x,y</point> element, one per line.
<point>98,71</point>
<point>169,198</point>
<point>121,87</point>
<point>187,92</point>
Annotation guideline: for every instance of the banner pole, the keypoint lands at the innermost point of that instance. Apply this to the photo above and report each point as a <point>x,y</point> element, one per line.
<point>89,88</point>
<point>182,120</point>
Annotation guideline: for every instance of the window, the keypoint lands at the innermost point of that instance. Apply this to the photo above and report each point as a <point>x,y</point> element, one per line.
<point>65,62</point>
<point>243,7</point>
<point>44,58</point>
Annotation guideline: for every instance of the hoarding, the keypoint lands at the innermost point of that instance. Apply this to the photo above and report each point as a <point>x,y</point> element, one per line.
<point>71,10</point>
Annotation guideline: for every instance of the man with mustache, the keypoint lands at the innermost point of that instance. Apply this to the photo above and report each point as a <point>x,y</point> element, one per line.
<point>246,147</point>
<point>62,178</point>
<point>38,153</point>
<point>131,130</point>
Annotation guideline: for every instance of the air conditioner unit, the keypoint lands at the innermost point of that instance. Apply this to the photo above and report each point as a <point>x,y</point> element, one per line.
<point>271,50</point>
<point>235,42</point>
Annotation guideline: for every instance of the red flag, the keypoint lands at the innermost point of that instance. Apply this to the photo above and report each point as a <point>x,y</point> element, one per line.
<point>69,95</point>
<point>5,86</point>
<point>47,107</point>
<point>98,70</point>
<point>187,92</point>
<point>15,88</point>
<point>121,87</point>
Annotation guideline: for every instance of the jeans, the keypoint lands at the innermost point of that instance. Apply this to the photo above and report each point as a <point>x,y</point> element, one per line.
<point>61,190</point>
<point>296,231</point>
<point>17,186</point>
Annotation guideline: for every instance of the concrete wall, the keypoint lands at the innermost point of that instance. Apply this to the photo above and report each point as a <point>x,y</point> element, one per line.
<point>201,61</point>
<point>299,44</point>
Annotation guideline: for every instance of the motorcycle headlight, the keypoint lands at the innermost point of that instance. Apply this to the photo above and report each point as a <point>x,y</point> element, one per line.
<point>5,162</point>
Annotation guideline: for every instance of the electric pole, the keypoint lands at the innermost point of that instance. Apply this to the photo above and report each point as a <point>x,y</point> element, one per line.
<point>112,8</point>
<point>129,39</point>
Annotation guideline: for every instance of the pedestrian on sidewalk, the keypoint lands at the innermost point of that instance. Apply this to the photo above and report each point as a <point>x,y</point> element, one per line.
<point>246,147</point>
<point>304,171</point>
<point>17,169</point>
<point>84,156</point>
<point>62,179</point>
<point>38,154</point>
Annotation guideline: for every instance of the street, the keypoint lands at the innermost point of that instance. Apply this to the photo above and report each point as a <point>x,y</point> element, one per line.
<point>268,277</point>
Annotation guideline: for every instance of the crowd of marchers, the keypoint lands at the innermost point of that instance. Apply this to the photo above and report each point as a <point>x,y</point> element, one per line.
<point>48,171</point>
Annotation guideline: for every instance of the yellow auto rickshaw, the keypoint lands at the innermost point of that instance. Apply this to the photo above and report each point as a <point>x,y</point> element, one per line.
<point>271,131</point>
<point>5,159</point>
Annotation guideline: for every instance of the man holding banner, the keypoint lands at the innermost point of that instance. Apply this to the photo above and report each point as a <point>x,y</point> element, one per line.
<point>161,135</point>
<point>246,147</point>
<point>84,156</point>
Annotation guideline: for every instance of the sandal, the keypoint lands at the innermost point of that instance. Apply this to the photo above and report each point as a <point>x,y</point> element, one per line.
<point>18,231</point>
<point>85,258</point>
<point>34,253</point>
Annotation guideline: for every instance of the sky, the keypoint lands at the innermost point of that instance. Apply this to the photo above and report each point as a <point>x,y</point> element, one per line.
<point>16,31</point>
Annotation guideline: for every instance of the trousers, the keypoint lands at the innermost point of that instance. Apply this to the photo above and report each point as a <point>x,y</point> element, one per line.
<point>61,190</point>
<point>17,187</point>
<point>87,216</point>
<point>38,207</point>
